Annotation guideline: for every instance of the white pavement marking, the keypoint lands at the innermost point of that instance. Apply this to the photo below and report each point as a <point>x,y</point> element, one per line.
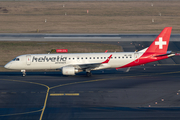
<point>15,39</point>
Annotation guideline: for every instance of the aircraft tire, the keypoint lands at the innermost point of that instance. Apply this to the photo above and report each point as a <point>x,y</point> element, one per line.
<point>88,74</point>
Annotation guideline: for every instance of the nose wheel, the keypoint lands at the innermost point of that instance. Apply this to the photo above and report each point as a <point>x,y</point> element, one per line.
<point>23,72</point>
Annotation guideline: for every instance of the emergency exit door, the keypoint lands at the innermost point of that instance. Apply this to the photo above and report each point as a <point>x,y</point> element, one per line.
<point>136,57</point>
<point>28,59</point>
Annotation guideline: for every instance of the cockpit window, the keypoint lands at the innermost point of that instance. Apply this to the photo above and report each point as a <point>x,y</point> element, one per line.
<point>15,59</point>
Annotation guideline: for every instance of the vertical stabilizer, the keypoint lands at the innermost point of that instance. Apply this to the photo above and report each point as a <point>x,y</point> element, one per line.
<point>160,44</point>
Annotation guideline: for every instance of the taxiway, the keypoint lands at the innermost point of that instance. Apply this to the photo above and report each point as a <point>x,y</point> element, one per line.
<point>139,94</point>
<point>145,92</point>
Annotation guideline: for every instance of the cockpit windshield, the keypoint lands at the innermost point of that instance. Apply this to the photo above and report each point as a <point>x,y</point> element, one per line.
<point>15,59</point>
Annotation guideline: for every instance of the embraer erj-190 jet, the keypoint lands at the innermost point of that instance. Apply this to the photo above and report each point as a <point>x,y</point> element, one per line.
<point>72,63</point>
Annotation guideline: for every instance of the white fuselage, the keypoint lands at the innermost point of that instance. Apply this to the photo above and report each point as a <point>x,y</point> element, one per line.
<point>72,63</point>
<point>57,61</point>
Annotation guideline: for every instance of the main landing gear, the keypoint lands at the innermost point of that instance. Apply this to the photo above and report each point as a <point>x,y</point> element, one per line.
<point>23,72</point>
<point>88,73</point>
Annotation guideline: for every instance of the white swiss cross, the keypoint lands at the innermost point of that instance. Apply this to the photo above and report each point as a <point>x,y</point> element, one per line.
<point>160,43</point>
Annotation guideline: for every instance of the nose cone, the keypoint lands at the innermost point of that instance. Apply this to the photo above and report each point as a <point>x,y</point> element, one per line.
<point>7,65</point>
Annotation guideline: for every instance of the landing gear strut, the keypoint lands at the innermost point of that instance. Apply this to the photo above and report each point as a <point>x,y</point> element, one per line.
<point>23,72</point>
<point>128,69</point>
<point>88,74</point>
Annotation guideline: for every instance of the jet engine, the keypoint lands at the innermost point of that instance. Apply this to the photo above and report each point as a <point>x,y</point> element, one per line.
<point>69,71</point>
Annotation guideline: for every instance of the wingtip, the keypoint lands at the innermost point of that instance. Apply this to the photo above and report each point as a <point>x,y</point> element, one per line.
<point>107,60</point>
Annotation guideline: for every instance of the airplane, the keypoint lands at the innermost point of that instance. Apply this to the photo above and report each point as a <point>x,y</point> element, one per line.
<point>72,63</point>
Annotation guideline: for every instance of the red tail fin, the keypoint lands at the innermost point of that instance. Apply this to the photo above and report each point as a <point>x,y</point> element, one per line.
<point>160,44</point>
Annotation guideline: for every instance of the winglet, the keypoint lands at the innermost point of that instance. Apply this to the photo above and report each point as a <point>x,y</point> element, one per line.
<point>106,61</point>
<point>106,51</point>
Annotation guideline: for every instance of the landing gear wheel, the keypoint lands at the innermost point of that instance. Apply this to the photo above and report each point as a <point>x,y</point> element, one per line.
<point>88,74</point>
<point>23,72</point>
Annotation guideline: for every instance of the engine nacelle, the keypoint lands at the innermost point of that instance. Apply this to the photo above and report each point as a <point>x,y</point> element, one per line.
<point>69,71</point>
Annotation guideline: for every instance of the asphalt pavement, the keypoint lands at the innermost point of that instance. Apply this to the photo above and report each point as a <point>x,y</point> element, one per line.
<point>145,92</point>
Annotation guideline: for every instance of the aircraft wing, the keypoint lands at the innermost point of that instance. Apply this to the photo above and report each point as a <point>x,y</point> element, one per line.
<point>89,65</point>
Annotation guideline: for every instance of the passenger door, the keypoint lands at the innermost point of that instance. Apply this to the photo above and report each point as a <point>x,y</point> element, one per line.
<point>28,59</point>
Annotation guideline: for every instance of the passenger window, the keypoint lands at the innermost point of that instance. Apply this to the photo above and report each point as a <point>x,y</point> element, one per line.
<point>126,57</point>
<point>78,58</point>
<point>86,57</point>
<point>119,57</point>
<point>90,58</point>
<point>122,57</point>
<point>81,58</point>
<point>69,58</point>
<point>115,57</point>
<point>73,58</point>
<point>111,57</point>
<point>97,57</point>
<point>101,57</point>
<point>17,59</point>
<point>94,58</point>
<point>104,57</point>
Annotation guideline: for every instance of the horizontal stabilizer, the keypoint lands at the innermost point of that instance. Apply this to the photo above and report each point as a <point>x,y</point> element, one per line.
<point>168,53</point>
<point>162,55</point>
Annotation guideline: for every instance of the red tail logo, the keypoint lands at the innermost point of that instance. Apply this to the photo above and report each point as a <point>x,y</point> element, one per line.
<point>156,51</point>
<point>160,44</point>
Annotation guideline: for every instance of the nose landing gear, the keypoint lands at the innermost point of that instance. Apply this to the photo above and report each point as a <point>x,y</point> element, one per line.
<point>23,72</point>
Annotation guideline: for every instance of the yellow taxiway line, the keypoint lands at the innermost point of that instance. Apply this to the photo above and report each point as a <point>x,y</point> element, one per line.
<point>68,94</point>
<point>64,94</point>
<point>30,83</point>
<point>44,103</point>
<point>22,113</point>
